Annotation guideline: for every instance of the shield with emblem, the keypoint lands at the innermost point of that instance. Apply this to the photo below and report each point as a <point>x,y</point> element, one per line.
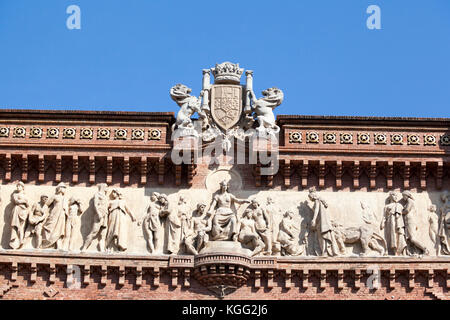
<point>226,105</point>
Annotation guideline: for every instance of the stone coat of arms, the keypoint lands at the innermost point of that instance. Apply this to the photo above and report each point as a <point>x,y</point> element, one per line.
<point>226,109</point>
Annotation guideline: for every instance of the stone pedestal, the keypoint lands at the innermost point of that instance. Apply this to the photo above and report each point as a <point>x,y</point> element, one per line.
<point>231,247</point>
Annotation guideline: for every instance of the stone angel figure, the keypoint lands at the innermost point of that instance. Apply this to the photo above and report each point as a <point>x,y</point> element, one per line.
<point>188,104</point>
<point>263,109</point>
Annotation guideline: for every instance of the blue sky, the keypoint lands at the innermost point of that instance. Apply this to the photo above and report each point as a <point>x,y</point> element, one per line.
<point>128,54</point>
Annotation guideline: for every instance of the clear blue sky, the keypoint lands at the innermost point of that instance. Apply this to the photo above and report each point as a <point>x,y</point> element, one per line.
<point>128,53</point>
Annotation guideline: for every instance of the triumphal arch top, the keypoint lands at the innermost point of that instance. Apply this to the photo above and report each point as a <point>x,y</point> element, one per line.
<point>223,200</point>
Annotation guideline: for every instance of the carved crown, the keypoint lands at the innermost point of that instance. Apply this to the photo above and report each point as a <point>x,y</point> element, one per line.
<point>227,72</point>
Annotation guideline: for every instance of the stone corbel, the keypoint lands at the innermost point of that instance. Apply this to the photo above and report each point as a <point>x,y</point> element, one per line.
<point>86,274</point>
<point>14,271</point>
<point>287,173</point>
<point>447,280</point>
<point>144,170</point>
<point>121,275</point>
<point>389,174</point>
<point>58,168</point>
<point>8,167</point>
<point>391,278</point>
<point>156,274</point>
<point>257,279</point>
<point>340,279</point>
<point>191,172</point>
<point>321,174</point>
<point>52,273</point>
<point>33,272</point>
<point>269,180</point>
<point>75,169</point>
<point>103,274</point>
<point>270,276</point>
<point>356,173</point>
<point>178,174</point>
<point>406,174</point>
<point>439,174</point>
<point>91,170</point>
<point>138,276</point>
<point>323,279</point>
<point>338,174</point>
<point>305,276</point>
<point>126,171</point>
<point>357,278</point>
<point>423,175</point>
<point>288,279</point>
<point>161,171</point>
<point>109,169</point>
<point>373,175</point>
<point>187,278</point>
<point>411,277</point>
<point>174,278</point>
<point>41,168</point>
<point>24,168</point>
<point>257,174</point>
<point>304,174</point>
<point>430,278</point>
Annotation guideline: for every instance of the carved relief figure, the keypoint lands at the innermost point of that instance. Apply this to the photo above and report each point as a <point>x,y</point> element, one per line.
<point>275,217</point>
<point>321,223</point>
<point>55,224</point>
<point>288,236</point>
<point>188,104</point>
<point>366,234</point>
<point>263,109</point>
<point>433,227</point>
<point>116,237</point>
<point>409,212</point>
<point>19,216</point>
<point>248,235</point>
<point>444,224</point>
<point>395,226</point>
<point>72,222</point>
<point>38,214</point>
<point>100,224</point>
<point>262,224</point>
<point>201,226</point>
<point>224,224</point>
<point>173,225</point>
<point>153,227</point>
